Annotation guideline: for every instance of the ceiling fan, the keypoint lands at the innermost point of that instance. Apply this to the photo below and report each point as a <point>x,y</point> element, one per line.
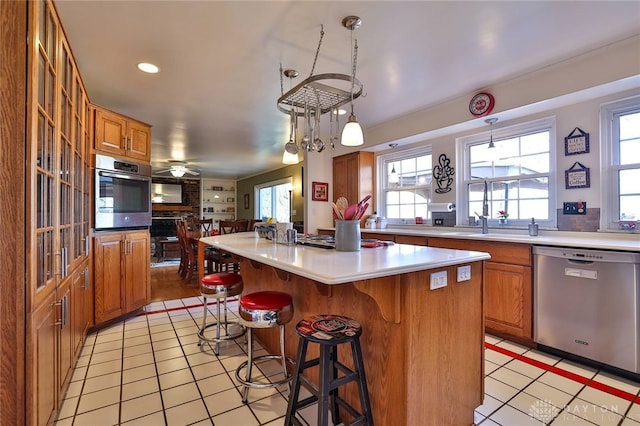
<point>178,169</point>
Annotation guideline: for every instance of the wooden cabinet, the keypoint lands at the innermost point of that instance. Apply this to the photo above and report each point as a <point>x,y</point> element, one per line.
<point>416,240</point>
<point>58,211</point>
<point>508,286</point>
<point>353,178</point>
<point>122,280</point>
<point>41,363</point>
<point>121,136</point>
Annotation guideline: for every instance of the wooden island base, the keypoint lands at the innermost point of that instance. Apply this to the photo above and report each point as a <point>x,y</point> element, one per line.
<point>423,349</point>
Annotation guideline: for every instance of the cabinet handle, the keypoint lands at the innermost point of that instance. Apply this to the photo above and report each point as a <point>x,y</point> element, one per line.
<point>56,304</point>
<point>59,272</point>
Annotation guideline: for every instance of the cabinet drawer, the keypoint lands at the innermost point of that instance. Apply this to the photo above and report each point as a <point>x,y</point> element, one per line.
<point>376,236</point>
<point>511,253</point>
<point>412,239</point>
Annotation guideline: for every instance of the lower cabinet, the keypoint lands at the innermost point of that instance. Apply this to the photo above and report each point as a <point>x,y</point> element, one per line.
<point>122,274</point>
<point>57,330</point>
<point>41,352</point>
<point>508,286</point>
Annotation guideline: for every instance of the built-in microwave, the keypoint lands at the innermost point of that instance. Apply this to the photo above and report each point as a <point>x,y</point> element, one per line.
<point>122,194</point>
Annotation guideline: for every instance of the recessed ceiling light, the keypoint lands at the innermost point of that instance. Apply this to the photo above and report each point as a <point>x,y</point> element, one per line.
<point>147,67</point>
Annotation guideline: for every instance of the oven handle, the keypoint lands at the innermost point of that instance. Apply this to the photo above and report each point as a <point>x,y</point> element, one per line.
<point>121,176</point>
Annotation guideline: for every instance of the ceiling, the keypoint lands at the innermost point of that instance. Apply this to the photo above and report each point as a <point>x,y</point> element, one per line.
<point>213,103</point>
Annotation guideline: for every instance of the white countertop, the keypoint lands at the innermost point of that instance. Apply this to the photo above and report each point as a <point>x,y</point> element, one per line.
<point>584,240</point>
<point>338,267</point>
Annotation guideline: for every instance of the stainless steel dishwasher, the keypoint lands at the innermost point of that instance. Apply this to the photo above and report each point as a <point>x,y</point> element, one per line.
<point>587,303</point>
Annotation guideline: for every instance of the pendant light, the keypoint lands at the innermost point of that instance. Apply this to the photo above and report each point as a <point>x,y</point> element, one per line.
<point>288,158</point>
<point>393,175</point>
<point>490,122</point>
<point>352,133</point>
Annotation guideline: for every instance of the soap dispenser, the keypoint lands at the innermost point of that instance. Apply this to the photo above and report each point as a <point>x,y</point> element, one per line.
<point>533,227</point>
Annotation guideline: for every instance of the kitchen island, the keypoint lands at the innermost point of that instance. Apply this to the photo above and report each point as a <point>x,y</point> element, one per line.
<point>423,348</point>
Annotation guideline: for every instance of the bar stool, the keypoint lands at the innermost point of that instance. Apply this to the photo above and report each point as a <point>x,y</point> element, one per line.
<point>264,309</point>
<point>329,331</point>
<point>220,285</point>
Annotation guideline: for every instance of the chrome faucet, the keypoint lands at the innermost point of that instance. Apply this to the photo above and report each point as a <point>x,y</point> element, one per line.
<point>485,210</point>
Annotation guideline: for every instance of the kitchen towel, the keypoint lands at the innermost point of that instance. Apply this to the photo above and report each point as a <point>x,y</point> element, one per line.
<point>441,207</point>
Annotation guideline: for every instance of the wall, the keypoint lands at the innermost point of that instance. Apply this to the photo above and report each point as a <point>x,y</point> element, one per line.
<point>246,186</point>
<point>572,90</point>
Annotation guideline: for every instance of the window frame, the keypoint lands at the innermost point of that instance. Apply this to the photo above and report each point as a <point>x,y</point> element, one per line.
<point>256,193</point>
<point>609,159</point>
<point>397,155</point>
<point>463,145</point>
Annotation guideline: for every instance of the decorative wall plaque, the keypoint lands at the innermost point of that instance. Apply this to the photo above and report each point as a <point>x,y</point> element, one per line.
<point>577,142</point>
<point>577,176</point>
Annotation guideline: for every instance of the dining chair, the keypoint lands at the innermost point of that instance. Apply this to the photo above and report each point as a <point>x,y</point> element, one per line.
<point>223,260</point>
<point>233,226</point>
<point>204,226</point>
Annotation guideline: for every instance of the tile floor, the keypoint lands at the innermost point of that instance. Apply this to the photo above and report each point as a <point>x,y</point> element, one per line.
<point>148,370</point>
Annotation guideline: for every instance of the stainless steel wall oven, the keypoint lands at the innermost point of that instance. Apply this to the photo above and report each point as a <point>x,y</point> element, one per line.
<point>123,194</point>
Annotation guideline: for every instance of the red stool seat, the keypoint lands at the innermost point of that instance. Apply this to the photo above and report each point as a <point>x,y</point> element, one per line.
<point>264,309</point>
<point>266,300</point>
<point>221,278</point>
<point>220,285</point>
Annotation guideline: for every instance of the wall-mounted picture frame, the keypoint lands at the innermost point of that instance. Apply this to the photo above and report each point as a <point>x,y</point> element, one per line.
<point>577,176</point>
<point>246,201</point>
<point>319,191</point>
<point>577,142</point>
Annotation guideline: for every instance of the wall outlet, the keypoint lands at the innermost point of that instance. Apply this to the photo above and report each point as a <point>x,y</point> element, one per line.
<point>438,280</point>
<point>579,207</point>
<point>438,222</point>
<point>464,273</point>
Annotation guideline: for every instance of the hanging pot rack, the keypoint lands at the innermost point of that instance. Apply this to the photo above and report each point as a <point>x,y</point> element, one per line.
<point>319,93</point>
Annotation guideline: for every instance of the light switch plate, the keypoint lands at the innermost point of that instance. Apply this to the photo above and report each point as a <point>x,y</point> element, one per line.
<point>438,280</point>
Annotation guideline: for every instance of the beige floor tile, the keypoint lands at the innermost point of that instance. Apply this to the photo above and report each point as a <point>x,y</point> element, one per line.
<point>270,408</point>
<point>100,369</point>
<point>139,388</point>
<point>103,416</point>
<point>239,416</point>
<point>98,399</point>
<point>138,360</point>
<point>149,420</point>
<point>103,382</point>
<point>139,407</point>
<point>138,373</point>
<point>189,413</point>
<point>180,394</point>
<point>215,384</point>
<point>172,364</point>
<point>175,378</point>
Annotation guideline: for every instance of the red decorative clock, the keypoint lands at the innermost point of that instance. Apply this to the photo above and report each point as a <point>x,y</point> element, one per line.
<point>481,104</point>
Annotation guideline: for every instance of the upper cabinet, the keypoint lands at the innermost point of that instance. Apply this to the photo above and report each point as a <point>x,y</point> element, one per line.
<point>353,177</point>
<point>122,136</point>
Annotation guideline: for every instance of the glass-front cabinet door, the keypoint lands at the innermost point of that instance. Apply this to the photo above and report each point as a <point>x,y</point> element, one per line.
<point>44,154</point>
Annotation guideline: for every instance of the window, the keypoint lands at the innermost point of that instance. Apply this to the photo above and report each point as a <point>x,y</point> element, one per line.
<point>406,185</point>
<point>513,177</point>
<point>621,162</point>
<point>273,199</point>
